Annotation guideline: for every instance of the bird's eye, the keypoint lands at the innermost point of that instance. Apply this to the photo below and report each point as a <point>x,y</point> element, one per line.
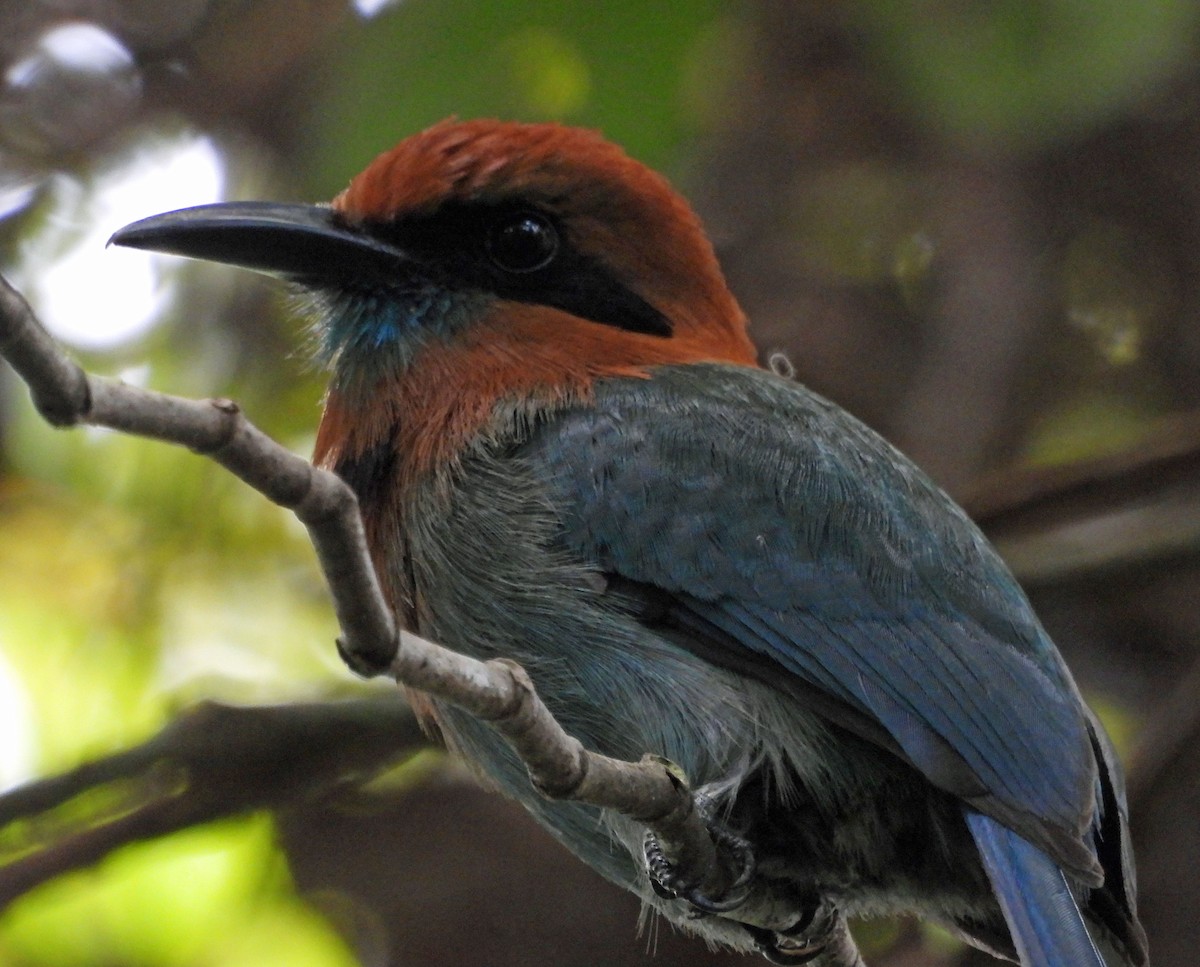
<point>524,242</point>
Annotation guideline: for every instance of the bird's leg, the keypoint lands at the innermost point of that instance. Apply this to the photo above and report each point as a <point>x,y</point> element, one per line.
<point>731,847</point>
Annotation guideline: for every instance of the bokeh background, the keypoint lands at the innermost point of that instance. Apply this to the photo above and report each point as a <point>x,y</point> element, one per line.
<point>976,226</point>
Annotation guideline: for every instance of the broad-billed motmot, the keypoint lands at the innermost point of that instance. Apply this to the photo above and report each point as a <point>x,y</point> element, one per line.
<point>545,398</point>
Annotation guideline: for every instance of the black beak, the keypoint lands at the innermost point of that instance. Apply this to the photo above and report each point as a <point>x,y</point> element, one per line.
<point>304,243</point>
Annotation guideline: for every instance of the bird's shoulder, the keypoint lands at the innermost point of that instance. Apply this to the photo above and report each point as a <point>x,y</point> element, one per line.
<point>730,480</point>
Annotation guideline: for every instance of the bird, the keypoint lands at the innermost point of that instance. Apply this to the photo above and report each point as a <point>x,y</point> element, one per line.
<point>566,453</point>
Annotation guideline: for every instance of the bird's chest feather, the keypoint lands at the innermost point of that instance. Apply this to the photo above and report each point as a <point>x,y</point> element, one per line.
<point>470,555</point>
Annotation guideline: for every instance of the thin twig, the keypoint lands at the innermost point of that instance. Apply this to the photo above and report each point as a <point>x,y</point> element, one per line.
<point>499,692</point>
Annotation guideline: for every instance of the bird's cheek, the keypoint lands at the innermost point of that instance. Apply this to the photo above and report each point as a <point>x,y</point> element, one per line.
<point>358,327</point>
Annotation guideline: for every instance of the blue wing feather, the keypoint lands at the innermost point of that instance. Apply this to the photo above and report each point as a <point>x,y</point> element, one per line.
<point>806,539</point>
<point>781,532</point>
<point>773,516</point>
<point>1041,911</point>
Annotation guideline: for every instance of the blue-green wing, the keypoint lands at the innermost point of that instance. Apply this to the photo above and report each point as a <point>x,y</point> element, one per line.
<point>784,533</point>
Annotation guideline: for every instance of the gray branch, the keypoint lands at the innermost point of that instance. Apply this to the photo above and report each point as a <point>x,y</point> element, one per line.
<point>498,691</point>
<point>210,761</point>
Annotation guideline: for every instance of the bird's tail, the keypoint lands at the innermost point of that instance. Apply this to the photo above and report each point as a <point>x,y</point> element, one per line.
<point>1042,914</point>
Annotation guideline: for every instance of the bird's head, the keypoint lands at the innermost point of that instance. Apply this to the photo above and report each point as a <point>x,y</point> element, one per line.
<point>481,259</point>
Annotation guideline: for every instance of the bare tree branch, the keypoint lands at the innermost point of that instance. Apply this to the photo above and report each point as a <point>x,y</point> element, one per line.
<point>498,691</point>
<point>1111,513</point>
<point>212,761</point>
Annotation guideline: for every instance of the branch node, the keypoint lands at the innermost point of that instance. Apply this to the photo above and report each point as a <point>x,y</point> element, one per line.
<point>71,407</point>
<point>515,717</point>
<point>678,806</point>
<point>364,663</point>
<point>359,664</point>
<point>230,415</point>
<point>557,762</point>
<point>564,783</point>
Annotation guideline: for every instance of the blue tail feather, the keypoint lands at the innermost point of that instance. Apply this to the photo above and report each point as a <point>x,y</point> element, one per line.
<point>1043,917</point>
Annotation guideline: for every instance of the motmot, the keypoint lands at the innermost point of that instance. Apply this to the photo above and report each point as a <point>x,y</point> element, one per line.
<point>565,451</point>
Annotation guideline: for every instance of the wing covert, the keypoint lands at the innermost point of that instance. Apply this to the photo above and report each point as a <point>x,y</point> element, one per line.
<point>785,528</point>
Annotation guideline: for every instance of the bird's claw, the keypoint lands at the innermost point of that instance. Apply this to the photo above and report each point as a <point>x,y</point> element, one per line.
<point>794,946</point>
<point>788,948</point>
<point>669,884</point>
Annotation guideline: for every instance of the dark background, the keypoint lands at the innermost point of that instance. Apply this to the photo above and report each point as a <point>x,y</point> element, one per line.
<point>976,226</point>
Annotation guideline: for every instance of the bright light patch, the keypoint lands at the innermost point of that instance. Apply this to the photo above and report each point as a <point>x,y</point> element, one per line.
<point>370,8</point>
<point>76,46</point>
<point>96,297</point>
<point>16,734</point>
<point>17,190</point>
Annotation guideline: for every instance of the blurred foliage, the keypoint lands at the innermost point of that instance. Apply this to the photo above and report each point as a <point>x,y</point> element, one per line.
<point>1085,428</point>
<point>213,895</point>
<point>608,65</point>
<point>1011,74</point>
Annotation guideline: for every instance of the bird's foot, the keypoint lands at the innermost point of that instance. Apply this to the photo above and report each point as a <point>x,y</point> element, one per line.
<point>799,944</point>
<point>669,884</point>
